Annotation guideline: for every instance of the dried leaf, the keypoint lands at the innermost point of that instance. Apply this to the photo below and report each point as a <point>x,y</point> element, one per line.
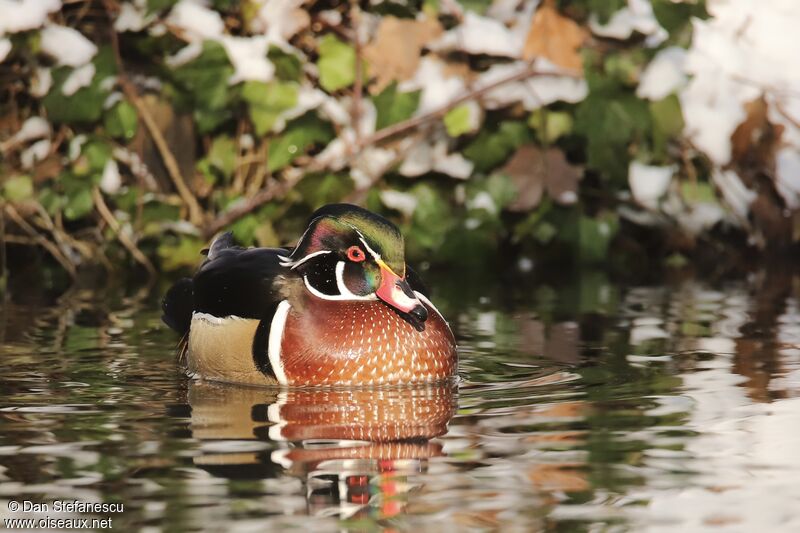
<point>554,37</point>
<point>534,171</point>
<point>394,54</point>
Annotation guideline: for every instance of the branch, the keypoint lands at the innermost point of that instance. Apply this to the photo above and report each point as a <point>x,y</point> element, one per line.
<point>195,212</point>
<point>414,122</point>
<point>126,241</point>
<point>274,189</point>
<point>41,241</point>
<point>358,87</point>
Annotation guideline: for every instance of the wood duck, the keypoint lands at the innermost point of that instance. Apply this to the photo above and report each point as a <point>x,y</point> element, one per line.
<point>341,308</point>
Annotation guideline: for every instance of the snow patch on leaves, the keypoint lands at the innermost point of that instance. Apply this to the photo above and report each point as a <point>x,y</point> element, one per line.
<point>664,75</point>
<point>24,15</point>
<point>67,45</point>
<point>636,16</point>
<point>649,183</point>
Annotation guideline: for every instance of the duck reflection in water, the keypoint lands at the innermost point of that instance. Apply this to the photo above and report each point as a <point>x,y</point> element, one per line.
<point>352,448</point>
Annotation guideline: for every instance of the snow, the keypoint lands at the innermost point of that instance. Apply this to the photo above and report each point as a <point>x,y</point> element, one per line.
<point>637,16</point>
<point>41,82</point>
<point>664,75</point>
<point>78,78</point>
<point>5,48</point>
<point>197,21</point>
<point>111,181</point>
<point>424,157</point>
<point>404,202</point>
<point>67,45</point>
<point>734,192</point>
<point>533,93</point>
<point>33,128</point>
<point>24,15</point>
<point>438,89</point>
<point>35,153</point>
<point>479,35</point>
<point>248,55</point>
<point>280,20</point>
<point>133,17</point>
<point>787,173</point>
<point>649,183</point>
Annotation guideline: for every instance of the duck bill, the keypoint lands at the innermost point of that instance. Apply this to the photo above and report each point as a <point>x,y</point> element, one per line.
<point>396,292</point>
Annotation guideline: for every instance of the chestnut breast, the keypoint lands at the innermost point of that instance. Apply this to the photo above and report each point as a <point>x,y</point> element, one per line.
<point>363,342</point>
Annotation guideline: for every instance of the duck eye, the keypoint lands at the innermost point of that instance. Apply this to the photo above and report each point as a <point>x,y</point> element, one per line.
<point>354,253</point>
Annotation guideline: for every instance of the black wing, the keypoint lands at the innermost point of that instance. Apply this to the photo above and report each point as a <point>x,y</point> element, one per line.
<point>231,281</point>
<point>239,282</point>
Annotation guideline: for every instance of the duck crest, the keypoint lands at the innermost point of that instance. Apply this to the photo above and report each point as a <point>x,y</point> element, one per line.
<point>341,308</point>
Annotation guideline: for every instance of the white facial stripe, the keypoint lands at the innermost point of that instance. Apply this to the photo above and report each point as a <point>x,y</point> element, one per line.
<point>288,263</point>
<point>339,297</point>
<point>275,338</point>
<point>343,290</point>
<point>375,255</point>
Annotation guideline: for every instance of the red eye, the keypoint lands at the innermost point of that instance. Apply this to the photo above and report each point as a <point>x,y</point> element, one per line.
<point>354,253</point>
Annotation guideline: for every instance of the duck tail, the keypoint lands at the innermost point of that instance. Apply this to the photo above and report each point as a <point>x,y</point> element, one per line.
<point>178,306</point>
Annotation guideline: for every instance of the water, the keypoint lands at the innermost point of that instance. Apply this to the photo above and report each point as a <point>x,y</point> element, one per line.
<point>583,405</point>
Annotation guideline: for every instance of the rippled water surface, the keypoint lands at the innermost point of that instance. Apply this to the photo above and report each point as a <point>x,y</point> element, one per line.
<point>582,405</point>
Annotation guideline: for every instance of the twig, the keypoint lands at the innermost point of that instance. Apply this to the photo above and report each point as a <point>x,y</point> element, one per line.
<point>195,212</point>
<point>274,189</point>
<point>41,241</point>
<point>126,241</point>
<point>414,122</point>
<point>358,87</point>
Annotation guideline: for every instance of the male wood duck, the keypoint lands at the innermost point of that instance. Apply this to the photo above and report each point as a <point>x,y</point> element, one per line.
<point>341,308</point>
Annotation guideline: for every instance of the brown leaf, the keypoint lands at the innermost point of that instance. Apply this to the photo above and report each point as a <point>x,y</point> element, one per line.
<point>534,171</point>
<point>395,52</point>
<point>554,37</point>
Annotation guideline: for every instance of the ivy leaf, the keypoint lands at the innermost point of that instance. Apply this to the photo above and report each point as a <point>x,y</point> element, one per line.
<point>222,155</point>
<point>320,189</point>
<point>393,107</point>
<point>550,125</point>
<point>611,122</point>
<point>490,148</point>
<point>97,154</point>
<point>337,64</point>
<point>79,203</point>
<point>121,121</point>
<point>182,254</point>
<point>287,66</point>
<point>667,122</point>
<point>300,135</point>
<point>267,101</point>
<point>18,188</point>
<point>457,121</point>
<point>202,85</point>
<point>595,235</point>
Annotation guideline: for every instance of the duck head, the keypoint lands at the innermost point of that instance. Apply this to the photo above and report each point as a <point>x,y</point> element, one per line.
<point>349,253</point>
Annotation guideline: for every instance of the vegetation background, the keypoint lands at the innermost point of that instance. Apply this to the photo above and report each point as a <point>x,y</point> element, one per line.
<point>515,131</point>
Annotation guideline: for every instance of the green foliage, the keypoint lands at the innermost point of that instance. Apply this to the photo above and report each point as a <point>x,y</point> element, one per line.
<point>121,121</point>
<point>492,147</point>
<point>457,121</point>
<point>550,125</point>
<point>86,104</point>
<point>393,107</point>
<point>202,86</point>
<point>300,135</point>
<point>287,66</point>
<point>610,122</point>
<point>267,101</point>
<point>667,123</point>
<point>18,188</point>
<point>221,159</point>
<point>337,64</point>
<point>319,189</point>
